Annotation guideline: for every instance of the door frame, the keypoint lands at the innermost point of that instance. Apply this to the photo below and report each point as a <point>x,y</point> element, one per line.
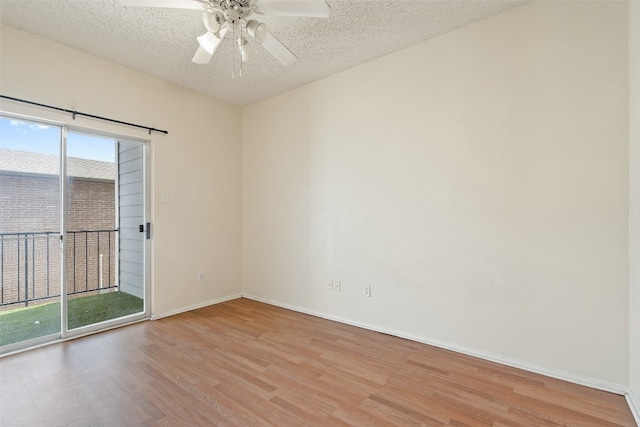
<point>146,313</point>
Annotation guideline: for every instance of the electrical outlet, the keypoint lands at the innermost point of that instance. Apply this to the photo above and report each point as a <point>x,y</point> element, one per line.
<point>201,277</point>
<point>367,290</point>
<point>337,286</point>
<point>330,287</point>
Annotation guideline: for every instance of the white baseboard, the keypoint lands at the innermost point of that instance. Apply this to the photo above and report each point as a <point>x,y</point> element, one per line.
<point>196,306</point>
<point>565,376</point>
<point>634,404</point>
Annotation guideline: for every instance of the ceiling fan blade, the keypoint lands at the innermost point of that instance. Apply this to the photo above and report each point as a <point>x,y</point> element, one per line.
<point>209,42</point>
<point>280,51</point>
<point>175,4</point>
<point>308,8</point>
<point>202,56</point>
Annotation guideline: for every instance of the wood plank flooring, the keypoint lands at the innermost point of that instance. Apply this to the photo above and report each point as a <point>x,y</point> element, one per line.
<point>247,363</point>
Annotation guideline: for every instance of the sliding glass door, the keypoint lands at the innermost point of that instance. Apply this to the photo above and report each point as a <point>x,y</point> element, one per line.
<point>83,220</point>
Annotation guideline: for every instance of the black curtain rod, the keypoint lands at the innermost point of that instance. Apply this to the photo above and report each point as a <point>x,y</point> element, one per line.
<point>77,113</point>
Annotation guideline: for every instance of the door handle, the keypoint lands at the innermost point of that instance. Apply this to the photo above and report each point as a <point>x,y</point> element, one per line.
<point>142,229</point>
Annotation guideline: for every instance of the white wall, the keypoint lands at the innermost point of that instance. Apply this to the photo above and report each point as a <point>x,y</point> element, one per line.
<point>198,163</point>
<point>634,178</point>
<point>477,181</point>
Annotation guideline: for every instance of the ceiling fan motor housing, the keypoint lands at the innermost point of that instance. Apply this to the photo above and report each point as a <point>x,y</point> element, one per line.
<point>240,8</point>
<point>229,13</point>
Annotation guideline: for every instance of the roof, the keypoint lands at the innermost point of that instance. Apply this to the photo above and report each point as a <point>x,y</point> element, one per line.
<point>25,162</point>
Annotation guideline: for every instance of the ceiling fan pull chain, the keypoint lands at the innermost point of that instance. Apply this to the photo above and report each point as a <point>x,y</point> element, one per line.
<point>239,46</point>
<point>233,57</point>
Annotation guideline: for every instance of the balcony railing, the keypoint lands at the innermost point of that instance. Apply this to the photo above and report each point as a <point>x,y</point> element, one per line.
<point>30,264</point>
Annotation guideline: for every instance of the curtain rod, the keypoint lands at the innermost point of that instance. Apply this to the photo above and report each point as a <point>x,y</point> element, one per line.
<point>77,113</point>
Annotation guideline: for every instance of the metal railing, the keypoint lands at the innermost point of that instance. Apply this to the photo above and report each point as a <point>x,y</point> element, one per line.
<point>30,264</point>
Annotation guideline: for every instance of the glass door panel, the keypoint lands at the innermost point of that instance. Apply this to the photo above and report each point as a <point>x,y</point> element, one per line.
<point>30,255</point>
<point>97,287</point>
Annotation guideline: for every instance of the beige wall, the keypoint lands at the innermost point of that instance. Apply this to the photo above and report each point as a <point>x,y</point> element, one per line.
<point>198,163</point>
<point>634,153</point>
<point>478,182</point>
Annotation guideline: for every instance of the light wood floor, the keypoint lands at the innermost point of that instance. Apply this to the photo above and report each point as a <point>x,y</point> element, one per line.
<point>247,363</point>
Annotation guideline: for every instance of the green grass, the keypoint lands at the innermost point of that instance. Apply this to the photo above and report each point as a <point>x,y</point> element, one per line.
<point>32,322</point>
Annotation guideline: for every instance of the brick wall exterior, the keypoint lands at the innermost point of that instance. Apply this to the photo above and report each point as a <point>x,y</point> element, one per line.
<point>30,203</point>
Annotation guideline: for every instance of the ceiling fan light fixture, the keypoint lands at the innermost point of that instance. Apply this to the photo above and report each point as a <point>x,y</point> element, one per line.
<point>257,30</point>
<point>212,21</point>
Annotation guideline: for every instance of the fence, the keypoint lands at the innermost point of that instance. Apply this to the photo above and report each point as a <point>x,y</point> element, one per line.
<point>30,264</point>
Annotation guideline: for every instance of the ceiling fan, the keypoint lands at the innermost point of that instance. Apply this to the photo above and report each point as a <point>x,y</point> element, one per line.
<point>235,16</point>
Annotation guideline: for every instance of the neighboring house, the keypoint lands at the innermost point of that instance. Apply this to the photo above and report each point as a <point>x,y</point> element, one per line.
<point>29,200</point>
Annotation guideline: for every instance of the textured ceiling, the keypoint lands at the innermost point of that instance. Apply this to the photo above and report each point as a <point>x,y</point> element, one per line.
<point>161,42</point>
